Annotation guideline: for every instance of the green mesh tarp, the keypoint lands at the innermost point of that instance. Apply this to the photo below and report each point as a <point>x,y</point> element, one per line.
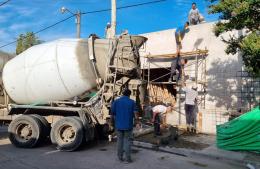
<point>242,133</point>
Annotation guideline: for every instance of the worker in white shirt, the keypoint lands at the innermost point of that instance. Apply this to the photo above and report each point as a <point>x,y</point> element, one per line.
<point>190,102</point>
<point>159,114</point>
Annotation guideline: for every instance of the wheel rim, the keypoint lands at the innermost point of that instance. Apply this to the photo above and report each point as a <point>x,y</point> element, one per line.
<point>66,134</point>
<point>24,132</point>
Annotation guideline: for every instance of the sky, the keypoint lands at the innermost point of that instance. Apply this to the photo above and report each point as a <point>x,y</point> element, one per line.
<point>21,16</point>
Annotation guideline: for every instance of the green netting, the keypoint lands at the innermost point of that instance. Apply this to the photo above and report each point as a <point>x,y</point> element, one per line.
<point>242,133</point>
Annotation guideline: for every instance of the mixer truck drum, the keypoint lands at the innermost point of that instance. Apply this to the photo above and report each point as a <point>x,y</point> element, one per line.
<point>67,133</point>
<point>25,131</point>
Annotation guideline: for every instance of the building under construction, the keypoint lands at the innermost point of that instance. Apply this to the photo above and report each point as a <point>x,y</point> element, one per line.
<point>223,85</point>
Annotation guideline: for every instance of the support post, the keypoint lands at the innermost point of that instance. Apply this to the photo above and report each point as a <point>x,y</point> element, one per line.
<point>78,22</point>
<point>113,18</point>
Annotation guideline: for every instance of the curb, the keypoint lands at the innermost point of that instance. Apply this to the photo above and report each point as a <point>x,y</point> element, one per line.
<point>193,153</point>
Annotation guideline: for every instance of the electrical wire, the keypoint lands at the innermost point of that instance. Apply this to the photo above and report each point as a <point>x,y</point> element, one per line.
<point>3,3</point>
<point>83,13</point>
<point>123,7</point>
<point>41,30</point>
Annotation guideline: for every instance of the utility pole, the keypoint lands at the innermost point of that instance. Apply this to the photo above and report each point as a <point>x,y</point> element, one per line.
<point>113,18</point>
<point>78,19</point>
<point>78,22</point>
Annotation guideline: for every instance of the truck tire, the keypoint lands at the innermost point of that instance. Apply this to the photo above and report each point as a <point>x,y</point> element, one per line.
<point>46,127</point>
<point>67,134</point>
<point>25,131</point>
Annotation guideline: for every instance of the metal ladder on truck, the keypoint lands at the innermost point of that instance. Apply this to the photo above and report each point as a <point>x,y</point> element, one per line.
<point>111,73</point>
<point>117,54</point>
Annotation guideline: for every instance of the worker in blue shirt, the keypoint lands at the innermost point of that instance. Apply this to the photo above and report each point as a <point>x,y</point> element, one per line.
<point>124,111</point>
<point>179,35</point>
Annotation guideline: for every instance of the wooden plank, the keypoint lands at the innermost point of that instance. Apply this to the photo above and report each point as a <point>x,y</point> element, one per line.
<point>182,54</point>
<point>199,122</point>
<point>163,82</point>
<point>152,93</point>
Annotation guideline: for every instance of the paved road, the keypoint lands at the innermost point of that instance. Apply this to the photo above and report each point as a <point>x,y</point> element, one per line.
<point>99,156</point>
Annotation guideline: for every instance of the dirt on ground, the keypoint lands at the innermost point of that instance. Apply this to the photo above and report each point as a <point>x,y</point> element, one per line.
<point>184,140</point>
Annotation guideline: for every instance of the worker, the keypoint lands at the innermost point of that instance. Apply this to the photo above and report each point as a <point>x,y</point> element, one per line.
<point>190,101</point>
<point>194,15</point>
<point>179,35</point>
<point>108,30</point>
<point>177,67</point>
<point>159,114</point>
<point>124,110</point>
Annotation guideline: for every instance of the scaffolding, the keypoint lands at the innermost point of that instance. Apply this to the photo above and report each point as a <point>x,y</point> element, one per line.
<point>248,91</point>
<point>196,69</point>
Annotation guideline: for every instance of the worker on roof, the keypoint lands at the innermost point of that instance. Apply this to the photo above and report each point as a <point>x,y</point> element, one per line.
<point>190,102</point>
<point>177,67</point>
<point>179,35</point>
<point>194,15</point>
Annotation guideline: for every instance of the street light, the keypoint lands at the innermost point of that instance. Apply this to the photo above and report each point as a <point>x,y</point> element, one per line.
<point>78,18</point>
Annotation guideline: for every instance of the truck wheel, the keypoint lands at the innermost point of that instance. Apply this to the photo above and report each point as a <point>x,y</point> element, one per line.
<point>24,131</point>
<point>67,134</point>
<point>46,128</point>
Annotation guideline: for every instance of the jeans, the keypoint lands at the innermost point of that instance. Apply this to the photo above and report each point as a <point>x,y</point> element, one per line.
<point>194,21</point>
<point>156,123</point>
<point>124,144</point>
<point>190,115</point>
<point>175,65</point>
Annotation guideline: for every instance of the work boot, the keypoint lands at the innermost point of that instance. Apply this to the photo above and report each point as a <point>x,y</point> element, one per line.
<point>121,159</point>
<point>188,129</point>
<point>193,130</point>
<point>128,161</point>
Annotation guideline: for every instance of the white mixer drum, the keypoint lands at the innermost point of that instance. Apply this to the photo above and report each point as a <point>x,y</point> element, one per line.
<point>51,71</point>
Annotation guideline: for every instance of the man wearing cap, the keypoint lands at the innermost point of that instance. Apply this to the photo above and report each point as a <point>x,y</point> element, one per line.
<point>124,111</point>
<point>190,101</point>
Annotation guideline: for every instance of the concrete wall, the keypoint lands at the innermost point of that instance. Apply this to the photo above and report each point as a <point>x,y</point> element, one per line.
<point>222,72</point>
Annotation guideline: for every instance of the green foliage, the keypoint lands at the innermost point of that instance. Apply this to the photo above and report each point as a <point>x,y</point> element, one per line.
<point>19,45</point>
<point>251,53</point>
<point>238,15</point>
<point>26,41</point>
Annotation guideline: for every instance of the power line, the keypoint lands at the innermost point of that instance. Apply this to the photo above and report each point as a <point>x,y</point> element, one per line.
<point>123,7</point>
<point>41,30</point>
<point>83,13</point>
<point>63,20</point>
<point>4,2</point>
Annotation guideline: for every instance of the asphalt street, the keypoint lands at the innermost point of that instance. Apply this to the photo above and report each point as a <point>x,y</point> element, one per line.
<point>97,156</point>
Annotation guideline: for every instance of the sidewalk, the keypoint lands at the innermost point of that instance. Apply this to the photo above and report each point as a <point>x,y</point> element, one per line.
<point>210,152</point>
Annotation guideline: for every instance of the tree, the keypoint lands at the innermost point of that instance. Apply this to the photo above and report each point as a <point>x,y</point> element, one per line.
<point>19,45</point>
<point>240,15</point>
<point>26,41</point>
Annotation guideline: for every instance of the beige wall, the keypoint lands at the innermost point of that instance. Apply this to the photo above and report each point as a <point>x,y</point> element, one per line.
<point>222,71</point>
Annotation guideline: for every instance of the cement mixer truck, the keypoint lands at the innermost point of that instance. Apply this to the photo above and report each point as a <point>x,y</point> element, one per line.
<point>63,89</point>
